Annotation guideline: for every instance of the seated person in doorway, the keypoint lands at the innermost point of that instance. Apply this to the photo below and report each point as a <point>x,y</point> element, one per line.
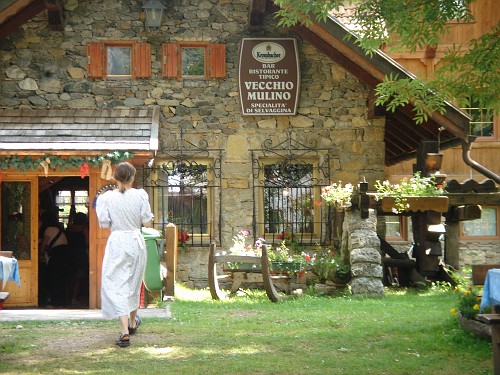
<point>77,234</point>
<point>55,251</point>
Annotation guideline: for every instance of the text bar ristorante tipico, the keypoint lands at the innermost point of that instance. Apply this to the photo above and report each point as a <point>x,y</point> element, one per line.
<point>269,76</point>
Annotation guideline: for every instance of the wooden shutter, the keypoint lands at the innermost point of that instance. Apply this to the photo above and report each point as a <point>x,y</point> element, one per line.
<point>216,61</point>
<point>142,60</point>
<point>170,60</point>
<point>95,60</point>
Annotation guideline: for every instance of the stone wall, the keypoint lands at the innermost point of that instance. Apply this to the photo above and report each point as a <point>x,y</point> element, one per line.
<point>45,69</point>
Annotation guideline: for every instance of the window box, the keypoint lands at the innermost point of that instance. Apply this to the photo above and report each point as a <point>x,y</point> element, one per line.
<point>439,204</point>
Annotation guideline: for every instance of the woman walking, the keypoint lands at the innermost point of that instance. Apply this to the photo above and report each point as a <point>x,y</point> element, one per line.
<point>124,210</point>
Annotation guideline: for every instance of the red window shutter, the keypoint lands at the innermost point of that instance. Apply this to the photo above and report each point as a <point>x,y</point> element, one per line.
<point>170,60</point>
<point>142,60</point>
<point>95,60</point>
<point>216,61</point>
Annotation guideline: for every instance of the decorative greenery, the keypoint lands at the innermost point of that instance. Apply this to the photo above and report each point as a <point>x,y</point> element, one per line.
<point>26,163</point>
<point>416,186</point>
<point>337,195</point>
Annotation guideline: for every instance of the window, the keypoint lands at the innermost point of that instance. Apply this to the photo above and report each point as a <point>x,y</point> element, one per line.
<point>288,197</point>
<point>484,228</point>
<point>193,60</point>
<point>482,124</point>
<point>118,59</point>
<point>71,202</point>
<point>396,228</point>
<point>181,195</point>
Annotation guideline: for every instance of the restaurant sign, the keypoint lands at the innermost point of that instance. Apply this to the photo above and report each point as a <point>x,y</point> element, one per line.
<point>269,76</point>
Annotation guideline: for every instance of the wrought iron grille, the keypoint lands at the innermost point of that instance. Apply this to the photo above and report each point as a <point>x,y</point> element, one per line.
<point>184,186</point>
<point>287,186</point>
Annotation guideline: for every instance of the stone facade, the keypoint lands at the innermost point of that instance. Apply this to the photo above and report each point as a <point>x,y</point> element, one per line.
<point>46,69</point>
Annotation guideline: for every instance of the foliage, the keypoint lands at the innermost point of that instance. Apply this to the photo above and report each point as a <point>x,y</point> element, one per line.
<point>326,261</point>
<point>182,239</point>
<point>393,92</point>
<point>411,25</point>
<point>32,163</point>
<point>469,299</point>
<point>416,186</point>
<point>337,195</point>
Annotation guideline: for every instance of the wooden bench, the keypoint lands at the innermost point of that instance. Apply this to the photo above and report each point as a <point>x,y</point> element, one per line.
<point>494,321</point>
<point>262,275</point>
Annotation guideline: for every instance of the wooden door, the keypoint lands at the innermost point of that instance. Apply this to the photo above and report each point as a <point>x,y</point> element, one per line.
<point>19,234</point>
<point>97,242</point>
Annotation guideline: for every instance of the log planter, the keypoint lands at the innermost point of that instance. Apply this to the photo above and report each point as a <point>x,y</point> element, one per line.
<point>437,203</point>
<point>475,326</point>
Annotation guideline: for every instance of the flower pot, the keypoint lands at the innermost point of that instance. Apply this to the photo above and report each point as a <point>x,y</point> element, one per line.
<point>438,203</point>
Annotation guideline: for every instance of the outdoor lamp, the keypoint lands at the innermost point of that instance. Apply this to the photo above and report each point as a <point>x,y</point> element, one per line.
<point>154,12</point>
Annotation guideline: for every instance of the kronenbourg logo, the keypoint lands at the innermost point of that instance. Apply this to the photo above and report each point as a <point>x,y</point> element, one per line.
<point>268,52</point>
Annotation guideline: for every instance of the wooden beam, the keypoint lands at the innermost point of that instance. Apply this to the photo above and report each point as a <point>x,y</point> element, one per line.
<point>55,14</point>
<point>485,199</point>
<point>257,11</point>
<point>335,49</point>
<point>12,23</point>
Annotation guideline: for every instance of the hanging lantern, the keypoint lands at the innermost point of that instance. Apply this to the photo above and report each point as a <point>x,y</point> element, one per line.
<point>154,12</point>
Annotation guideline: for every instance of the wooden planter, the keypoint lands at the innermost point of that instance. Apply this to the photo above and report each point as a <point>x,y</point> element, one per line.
<point>475,326</point>
<point>439,204</point>
<point>276,267</point>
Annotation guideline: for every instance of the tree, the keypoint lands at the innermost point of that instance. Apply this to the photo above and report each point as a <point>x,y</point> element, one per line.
<point>467,76</point>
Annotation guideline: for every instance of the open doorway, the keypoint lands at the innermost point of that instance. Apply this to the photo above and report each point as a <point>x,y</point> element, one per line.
<point>63,277</point>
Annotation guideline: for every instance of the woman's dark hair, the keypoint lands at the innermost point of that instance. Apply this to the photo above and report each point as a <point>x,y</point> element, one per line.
<point>124,173</point>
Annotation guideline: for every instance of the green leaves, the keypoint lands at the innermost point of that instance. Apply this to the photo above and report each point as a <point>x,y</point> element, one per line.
<point>393,93</point>
<point>32,163</point>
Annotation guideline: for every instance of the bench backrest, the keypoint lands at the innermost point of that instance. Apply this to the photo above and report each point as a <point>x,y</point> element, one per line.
<point>479,272</point>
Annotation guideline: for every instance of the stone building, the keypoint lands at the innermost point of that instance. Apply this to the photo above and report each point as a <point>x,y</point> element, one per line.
<point>86,84</point>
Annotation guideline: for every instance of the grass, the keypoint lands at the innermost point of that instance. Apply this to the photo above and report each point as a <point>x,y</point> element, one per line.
<point>402,332</point>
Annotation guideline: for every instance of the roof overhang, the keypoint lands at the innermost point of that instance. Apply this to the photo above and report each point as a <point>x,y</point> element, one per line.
<point>79,131</point>
<point>403,136</point>
<point>14,13</point>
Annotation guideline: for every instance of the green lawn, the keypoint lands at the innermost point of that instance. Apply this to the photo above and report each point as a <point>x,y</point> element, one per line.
<point>401,332</point>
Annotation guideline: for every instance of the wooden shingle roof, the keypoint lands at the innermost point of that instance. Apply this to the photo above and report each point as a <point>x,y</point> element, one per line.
<point>79,129</point>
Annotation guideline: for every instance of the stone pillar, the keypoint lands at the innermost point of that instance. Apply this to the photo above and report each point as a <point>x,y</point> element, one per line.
<point>360,240</point>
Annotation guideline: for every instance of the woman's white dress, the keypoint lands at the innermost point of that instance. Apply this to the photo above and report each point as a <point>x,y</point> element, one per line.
<point>125,254</point>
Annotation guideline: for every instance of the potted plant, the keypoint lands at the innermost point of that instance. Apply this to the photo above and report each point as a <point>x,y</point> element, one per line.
<point>416,193</point>
<point>337,195</point>
<point>469,299</point>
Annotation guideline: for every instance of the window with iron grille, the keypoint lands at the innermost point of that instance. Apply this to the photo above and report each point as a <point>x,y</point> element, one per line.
<point>287,182</point>
<point>182,192</point>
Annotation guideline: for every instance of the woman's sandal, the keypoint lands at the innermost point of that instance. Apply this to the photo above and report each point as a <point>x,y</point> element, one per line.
<point>123,341</point>
<point>138,322</point>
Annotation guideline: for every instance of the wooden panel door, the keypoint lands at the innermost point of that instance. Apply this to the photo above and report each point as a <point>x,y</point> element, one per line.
<point>19,234</point>
<point>97,242</point>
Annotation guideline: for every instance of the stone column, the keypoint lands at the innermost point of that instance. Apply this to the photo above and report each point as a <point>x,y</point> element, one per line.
<point>360,240</point>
